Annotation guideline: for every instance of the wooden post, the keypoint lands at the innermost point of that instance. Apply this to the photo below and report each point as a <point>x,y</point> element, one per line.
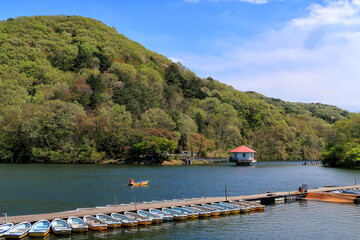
<point>226,198</point>
<point>115,199</point>
<point>135,203</point>
<point>5,217</point>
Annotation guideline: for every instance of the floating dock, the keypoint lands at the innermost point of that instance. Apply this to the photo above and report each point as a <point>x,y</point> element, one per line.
<point>263,198</point>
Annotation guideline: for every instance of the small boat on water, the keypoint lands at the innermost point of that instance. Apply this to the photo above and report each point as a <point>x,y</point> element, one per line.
<point>213,212</point>
<point>141,219</point>
<point>258,206</point>
<point>350,191</point>
<point>252,205</point>
<point>247,207</point>
<point>165,217</point>
<point>4,228</point>
<point>125,221</point>
<point>60,227</point>
<point>244,207</point>
<point>40,229</point>
<point>190,214</point>
<point>110,221</point>
<point>202,213</point>
<point>233,209</point>
<point>176,215</point>
<point>140,183</point>
<point>18,231</point>
<point>223,211</point>
<point>94,223</point>
<point>77,224</point>
<point>333,197</point>
<point>153,217</point>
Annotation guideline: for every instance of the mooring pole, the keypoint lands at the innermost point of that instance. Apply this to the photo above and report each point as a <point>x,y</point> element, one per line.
<point>135,203</point>
<point>203,192</point>
<point>226,198</point>
<point>5,217</point>
<point>355,181</point>
<point>115,199</point>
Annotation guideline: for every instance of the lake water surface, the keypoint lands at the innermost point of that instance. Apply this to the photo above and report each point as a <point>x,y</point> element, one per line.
<point>40,188</point>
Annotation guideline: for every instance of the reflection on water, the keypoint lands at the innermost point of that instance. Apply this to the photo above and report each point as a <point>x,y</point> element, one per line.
<point>52,188</point>
<point>297,220</point>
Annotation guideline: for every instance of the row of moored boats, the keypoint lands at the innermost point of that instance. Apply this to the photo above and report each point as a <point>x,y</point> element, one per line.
<point>126,219</point>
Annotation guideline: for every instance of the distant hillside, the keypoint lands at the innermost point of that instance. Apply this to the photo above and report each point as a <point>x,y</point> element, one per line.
<point>326,112</point>
<point>74,90</point>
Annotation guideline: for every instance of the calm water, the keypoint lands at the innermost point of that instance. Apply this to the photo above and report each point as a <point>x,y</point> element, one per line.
<point>37,188</point>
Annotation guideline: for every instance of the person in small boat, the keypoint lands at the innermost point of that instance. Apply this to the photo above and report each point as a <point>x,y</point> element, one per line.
<point>131,181</point>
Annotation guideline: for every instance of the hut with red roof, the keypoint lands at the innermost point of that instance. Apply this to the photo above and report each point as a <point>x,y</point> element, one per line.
<point>243,156</point>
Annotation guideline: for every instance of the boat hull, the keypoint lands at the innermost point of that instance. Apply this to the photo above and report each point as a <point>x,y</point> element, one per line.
<point>235,211</point>
<point>113,225</point>
<point>144,222</point>
<point>204,215</point>
<point>61,231</point>
<point>332,197</point>
<point>157,220</point>
<point>18,231</point>
<point>79,229</point>
<point>180,218</point>
<point>15,236</point>
<point>40,229</point>
<point>39,234</point>
<point>129,224</point>
<point>225,212</point>
<point>94,223</point>
<point>77,224</point>
<point>97,228</point>
<point>4,228</point>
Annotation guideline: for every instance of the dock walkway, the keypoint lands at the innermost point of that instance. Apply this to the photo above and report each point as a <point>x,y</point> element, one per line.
<point>160,204</point>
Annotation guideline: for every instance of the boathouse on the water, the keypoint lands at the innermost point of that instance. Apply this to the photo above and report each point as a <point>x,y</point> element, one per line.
<point>243,156</point>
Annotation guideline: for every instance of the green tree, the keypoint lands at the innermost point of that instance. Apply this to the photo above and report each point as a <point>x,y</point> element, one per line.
<point>114,131</point>
<point>157,118</point>
<point>158,146</point>
<point>200,144</point>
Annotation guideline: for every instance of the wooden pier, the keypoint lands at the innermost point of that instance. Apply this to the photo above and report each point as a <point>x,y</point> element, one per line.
<point>266,197</point>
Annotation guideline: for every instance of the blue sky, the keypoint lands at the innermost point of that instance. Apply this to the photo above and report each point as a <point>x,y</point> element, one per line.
<point>295,50</point>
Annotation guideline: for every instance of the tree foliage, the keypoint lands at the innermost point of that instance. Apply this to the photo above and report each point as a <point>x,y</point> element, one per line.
<point>344,149</point>
<point>74,90</point>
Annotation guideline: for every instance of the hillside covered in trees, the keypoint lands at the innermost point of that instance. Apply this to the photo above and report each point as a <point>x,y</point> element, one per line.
<point>73,90</point>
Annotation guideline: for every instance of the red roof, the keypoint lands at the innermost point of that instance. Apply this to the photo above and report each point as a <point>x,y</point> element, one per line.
<point>243,149</point>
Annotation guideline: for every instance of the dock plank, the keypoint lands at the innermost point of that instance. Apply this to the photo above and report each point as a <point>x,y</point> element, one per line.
<point>160,204</point>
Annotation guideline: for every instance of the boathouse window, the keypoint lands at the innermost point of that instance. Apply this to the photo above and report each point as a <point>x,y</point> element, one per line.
<point>244,154</point>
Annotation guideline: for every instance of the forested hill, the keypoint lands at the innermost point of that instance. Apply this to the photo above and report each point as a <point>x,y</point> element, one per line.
<point>74,90</point>
<point>329,113</point>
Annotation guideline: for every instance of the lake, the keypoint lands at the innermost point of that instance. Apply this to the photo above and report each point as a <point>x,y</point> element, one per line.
<point>40,188</point>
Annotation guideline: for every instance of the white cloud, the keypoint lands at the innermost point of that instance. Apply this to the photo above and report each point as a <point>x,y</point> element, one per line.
<point>312,59</point>
<point>339,12</point>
